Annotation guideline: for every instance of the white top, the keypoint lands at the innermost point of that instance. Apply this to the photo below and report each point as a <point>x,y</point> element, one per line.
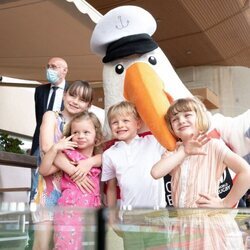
<point>59,96</point>
<point>131,165</point>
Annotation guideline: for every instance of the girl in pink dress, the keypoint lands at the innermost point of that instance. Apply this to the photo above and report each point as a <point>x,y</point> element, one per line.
<point>196,167</point>
<point>85,131</point>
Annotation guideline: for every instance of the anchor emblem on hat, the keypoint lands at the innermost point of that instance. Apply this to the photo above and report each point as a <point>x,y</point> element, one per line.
<point>121,23</point>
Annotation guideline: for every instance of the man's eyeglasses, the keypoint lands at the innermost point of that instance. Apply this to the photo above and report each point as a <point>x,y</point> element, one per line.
<point>52,66</point>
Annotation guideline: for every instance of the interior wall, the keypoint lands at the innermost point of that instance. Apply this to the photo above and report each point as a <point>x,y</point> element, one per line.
<point>14,177</point>
<point>17,110</point>
<point>231,84</point>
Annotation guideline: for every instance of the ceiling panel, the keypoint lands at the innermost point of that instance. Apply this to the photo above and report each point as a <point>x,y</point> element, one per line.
<point>193,33</point>
<point>190,32</point>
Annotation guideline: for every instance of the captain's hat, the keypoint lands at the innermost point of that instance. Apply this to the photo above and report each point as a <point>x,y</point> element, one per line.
<point>123,31</point>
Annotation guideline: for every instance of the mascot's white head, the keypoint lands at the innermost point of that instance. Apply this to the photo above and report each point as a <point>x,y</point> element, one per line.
<point>135,68</point>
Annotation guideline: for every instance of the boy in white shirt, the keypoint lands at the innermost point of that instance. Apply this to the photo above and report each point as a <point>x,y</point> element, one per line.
<point>130,160</point>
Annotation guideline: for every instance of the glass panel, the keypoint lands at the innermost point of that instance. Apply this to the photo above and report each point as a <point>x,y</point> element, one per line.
<point>126,229</point>
<point>179,229</point>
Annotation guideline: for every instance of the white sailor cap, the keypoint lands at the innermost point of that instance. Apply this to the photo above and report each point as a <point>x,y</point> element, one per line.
<point>123,31</point>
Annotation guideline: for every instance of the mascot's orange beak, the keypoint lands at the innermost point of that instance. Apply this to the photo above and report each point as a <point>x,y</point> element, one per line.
<point>145,89</point>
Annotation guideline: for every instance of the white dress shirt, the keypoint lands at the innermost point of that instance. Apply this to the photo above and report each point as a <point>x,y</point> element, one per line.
<point>131,165</point>
<point>59,96</point>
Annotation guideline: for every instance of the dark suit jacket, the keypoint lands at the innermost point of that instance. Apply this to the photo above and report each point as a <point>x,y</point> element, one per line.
<point>41,99</point>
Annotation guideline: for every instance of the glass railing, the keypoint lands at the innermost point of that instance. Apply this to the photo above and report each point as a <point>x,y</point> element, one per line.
<point>114,229</point>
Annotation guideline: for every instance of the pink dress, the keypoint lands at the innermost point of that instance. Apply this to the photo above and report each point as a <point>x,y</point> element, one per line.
<point>202,228</point>
<point>69,223</point>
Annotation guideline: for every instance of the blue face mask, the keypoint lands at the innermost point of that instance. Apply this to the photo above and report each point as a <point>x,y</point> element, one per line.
<point>52,76</point>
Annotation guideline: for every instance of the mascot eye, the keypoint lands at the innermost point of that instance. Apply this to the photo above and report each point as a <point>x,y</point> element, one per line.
<point>119,69</point>
<point>152,60</point>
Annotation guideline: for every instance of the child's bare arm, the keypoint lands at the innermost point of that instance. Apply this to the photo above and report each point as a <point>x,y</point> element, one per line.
<point>63,163</point>
<point>112,202</point>
<point>47,131</point>
<point>112,193</point>
<point>241,184</point>
<point>169,161</point>
<point>46,167</point>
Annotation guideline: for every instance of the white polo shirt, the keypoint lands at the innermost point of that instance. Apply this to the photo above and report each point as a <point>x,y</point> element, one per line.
<point>131,165</point>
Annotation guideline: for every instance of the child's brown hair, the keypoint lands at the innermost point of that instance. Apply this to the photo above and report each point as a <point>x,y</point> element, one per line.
<point>189,104</point>
<point>85,115</point>
<point>81,88</point>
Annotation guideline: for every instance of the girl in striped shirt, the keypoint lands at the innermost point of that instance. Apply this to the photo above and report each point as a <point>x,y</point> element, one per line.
<point>196,167</point>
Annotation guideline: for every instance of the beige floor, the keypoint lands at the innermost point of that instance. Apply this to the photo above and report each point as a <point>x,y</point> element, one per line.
<point>114,242</point>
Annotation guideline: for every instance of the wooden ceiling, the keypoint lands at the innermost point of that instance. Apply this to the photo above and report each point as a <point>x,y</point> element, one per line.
<point>193,33</point>
<point>190,32</point>
<point>32,31</point>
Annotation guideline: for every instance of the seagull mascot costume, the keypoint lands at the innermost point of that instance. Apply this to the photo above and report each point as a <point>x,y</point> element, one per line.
<point>136,69</point>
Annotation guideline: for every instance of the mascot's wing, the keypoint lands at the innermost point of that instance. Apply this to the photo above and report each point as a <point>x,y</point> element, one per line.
<point>235,132</point>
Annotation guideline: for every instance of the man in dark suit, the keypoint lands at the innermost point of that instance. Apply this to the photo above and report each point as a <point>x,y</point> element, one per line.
<point>47,97</point>
<point>56,72</point>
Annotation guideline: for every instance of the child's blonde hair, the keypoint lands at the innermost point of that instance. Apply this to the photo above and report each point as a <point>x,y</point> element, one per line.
<point>85,115</point>
<point>189,104</point>
<point>82,88</point>
<point>122,108</point>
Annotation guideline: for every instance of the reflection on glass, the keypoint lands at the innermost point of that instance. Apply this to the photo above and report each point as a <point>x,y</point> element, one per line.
<point>132,229</point>
<point>182,229</point>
